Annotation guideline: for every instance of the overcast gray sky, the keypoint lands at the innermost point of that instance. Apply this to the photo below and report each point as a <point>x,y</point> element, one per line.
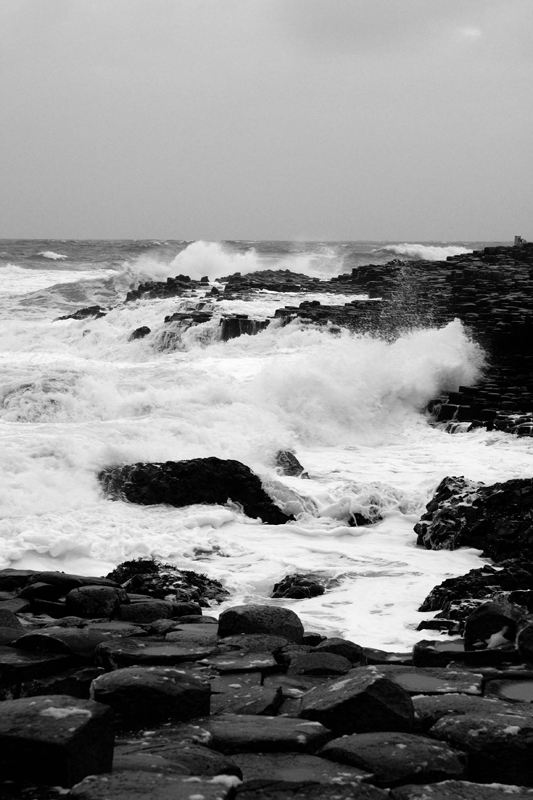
<point>268,119</point>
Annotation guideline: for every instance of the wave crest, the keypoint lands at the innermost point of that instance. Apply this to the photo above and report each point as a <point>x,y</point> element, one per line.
<point>426,252</point>
<point>51,255</point>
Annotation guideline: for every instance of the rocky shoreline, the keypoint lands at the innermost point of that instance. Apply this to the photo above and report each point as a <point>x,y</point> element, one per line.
<point>490,291</point>
<point>132,686</point>
<point>127,685</point>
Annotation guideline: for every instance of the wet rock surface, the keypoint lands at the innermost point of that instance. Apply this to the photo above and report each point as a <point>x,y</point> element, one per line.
<point>233,709</point>
<point>212,481</point>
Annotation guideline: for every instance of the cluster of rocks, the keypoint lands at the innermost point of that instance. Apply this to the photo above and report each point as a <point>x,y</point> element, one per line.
<point>490,290</point>
<point>175,704</point>
<point>172,287</point>
<point>497,521</point>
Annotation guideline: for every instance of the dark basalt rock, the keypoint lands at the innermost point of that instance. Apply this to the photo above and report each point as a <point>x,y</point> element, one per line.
<point>496,519</point>
<point>288,464</point>
<point>212,481</point>
<point>145,694</point>
<point>491,625</point>
<point>395,758</point>
<point>362,702</point>
<point>297,587</point>
<point>84,313</point>
<point>54,740</point>
<point>165,582</point>
<point>261,619</point>
<point>499,748</point>
<point>238,324</point>
<point>139,333</point>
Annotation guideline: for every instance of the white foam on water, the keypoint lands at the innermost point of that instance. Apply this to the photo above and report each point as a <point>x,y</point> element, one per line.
<point>52,256</point>
<point>426,251</point>
<point>78,396</point>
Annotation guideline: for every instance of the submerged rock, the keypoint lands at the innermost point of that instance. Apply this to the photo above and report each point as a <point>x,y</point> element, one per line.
<point>213,481</point>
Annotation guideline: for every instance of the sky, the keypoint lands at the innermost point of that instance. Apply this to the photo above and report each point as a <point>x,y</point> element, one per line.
<point>266,119</point>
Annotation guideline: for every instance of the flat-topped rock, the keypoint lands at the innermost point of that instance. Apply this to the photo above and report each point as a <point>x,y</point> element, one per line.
<point>144,694</point>
<point>461,790</point>
<point>434,680</point>
<point>362,702</point>
<point>212,480</point>
<point>499,747</point>
<point>186,759</point>
<point>395,758</point>
<point>265,769</point>
<point>147,786</point>
<point>234,733</point>
<point>256,700</point>
<point>429,709</point>
<point>132,651</point>
<point>257,619</point>
<point>54,740</point>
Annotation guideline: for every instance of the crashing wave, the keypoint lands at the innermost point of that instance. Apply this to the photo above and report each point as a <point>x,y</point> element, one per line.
<point>426,252</point>
<point>51,255</point>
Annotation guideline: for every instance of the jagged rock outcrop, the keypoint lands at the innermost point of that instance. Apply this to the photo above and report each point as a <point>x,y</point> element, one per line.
<point>213,481</point>
<point>496,519</point>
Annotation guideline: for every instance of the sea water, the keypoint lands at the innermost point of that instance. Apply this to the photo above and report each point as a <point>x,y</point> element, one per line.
<point>77,396</point>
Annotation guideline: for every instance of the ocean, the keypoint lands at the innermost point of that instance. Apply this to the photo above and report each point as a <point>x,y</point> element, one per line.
<point>78,395</point>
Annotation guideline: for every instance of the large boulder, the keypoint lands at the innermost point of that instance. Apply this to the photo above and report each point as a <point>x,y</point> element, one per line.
<point>495,519</point>
<point>499,747</point>
<point>213,481</point>
<point>395,758</point>
<point>54,740</point>
<point>152,693</point>
<point>362,702</point>
<point>261,619</point>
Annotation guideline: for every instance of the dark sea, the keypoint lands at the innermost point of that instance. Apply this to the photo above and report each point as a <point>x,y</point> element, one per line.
<point>78,395</point>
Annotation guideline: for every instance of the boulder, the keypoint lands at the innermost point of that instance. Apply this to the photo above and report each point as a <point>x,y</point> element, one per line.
<point>95,601</point>
<point>186,759</point>
<point>212,481</point>
<point>139,333</point>
<point>152,610</point>
<point>256,700</point>
<point>54,740</point>
<point>341,647</point>
<point>298,587</point>
<point>395,758</point>
<point>362,702</point>
<point>495,519</point>
<point>81,642</point>
<point>491,625</point>
<point>144,694</point>
<point>318,664</point>
<point>288,464</point>
<point>499,748</point>
<point>261,619</point>
<point>430,708</point>
<point>10,620</point>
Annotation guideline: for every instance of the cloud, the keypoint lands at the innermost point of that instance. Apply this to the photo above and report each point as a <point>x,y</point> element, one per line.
<point>470,33</point>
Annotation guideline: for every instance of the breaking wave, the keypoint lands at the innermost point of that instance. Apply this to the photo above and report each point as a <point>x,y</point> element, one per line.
<point>426,252</point>
<point>51,255</point>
